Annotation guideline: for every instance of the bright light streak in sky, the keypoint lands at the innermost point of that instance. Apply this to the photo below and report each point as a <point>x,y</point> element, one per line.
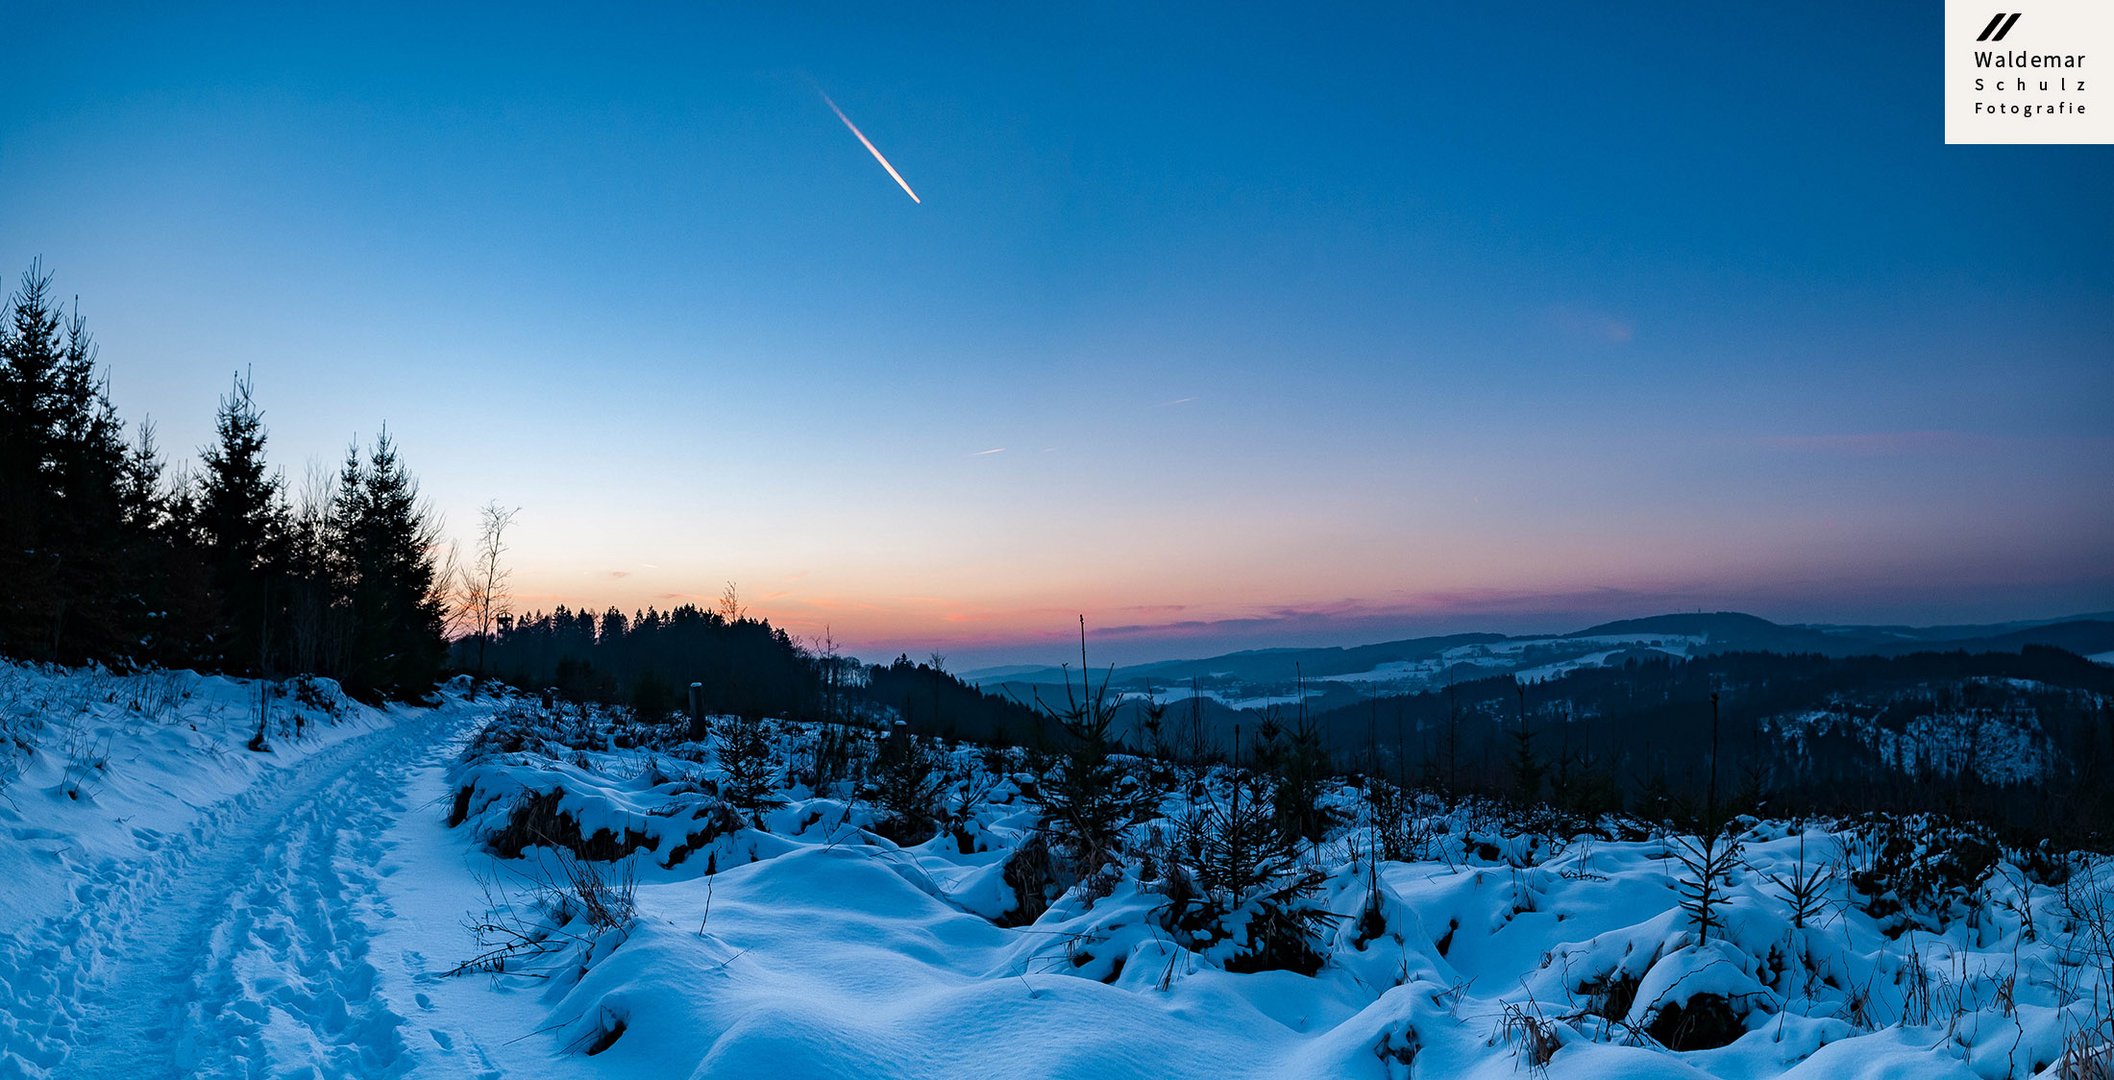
<point>872,149</point>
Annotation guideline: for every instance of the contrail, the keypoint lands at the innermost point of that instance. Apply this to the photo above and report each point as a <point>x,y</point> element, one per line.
<point>870,147</point>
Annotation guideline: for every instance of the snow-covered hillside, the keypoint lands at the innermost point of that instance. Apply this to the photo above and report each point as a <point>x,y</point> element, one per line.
<point>493,888</point>
<point>800,940</point>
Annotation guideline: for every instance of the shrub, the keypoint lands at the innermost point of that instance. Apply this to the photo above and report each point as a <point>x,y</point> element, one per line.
<point>1089,800</point>
<point>1234,862</point>
<point>567,914</point>
<point>907,783</point>
<point>1707,864</point>
<point>1918,871</point>
<point>748,763</point>
<point>1398,834</point>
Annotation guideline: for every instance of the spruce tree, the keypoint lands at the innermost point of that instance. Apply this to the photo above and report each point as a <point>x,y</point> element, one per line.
<point>386,566</point>
<point>314,619</point>
<point>1301,763</point>
<point>1090,801</point>
<point>145,501</point>
<point>97,600</point>
<point>31,352</point>
<point>186,615</point>
<point>63,540</point>
<point>1527,767</point>
<point>141,499</point>
<point>242,519</point>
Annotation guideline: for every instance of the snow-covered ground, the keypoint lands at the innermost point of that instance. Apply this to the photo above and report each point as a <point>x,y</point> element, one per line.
<point>174,904</point>
<point>814,947</point>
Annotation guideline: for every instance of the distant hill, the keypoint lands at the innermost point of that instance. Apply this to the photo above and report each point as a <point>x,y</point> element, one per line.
<point>1253,664</point>
<point>1313,662</point>
<point>1337,676</point>
<point>1723,631</point>
<point>1732,631</point>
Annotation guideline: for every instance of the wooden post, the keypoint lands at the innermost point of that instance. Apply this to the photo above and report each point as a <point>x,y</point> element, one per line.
<point>697,710</point>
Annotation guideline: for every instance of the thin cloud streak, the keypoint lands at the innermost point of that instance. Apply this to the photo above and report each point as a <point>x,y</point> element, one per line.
<point>870,148</point>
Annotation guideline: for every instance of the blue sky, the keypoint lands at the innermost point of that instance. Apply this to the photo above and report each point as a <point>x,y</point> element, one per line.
<point>1291,325</point>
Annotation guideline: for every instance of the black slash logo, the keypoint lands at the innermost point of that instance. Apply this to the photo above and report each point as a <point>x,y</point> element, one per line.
<point>1999,25</point>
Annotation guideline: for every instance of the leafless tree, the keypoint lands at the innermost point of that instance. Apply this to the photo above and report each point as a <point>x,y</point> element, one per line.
<point>836,669</point>
<point>482,593</point>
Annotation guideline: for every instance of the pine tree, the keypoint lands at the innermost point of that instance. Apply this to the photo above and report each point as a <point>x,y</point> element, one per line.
<point>89,541</point>
<point>1091,801</point>
<point>908,782</point>
<point>1301,763</point>
<point>31,352</point>
<point>242,519</point>
<point>385,566</point>
<point>749,766</point>
<point>141,498</point>
<point>186,610</point>
<point>1527,767</point>
<point>315,619</point>
<point>63,544</point>
<point>153,562</point>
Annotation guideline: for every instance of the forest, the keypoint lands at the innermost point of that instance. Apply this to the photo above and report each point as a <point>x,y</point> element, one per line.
<point>113,556</point>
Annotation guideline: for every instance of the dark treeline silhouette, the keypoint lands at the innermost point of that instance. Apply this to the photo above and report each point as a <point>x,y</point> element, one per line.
<point>109,555</point>
<point>742,666</point>
<point>2023,740</point>
<point>930,700</point>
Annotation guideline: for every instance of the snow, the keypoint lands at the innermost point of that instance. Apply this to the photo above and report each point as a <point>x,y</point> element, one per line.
<point>202,909</point>
<point>174,894</point>
<point>1174,694</point>
<point>1565,654</point>
<point>1997,746</point>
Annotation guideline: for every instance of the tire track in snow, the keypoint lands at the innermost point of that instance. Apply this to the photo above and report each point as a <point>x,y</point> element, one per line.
<point>253,960</point>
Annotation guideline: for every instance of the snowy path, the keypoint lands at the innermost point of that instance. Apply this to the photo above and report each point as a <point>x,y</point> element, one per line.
<point>240,948</point>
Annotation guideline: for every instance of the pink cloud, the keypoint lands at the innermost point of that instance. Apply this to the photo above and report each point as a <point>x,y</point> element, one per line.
<point>1580,322</point>
<point>1871,443</point>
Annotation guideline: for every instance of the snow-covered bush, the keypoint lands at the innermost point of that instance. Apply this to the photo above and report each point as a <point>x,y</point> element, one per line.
<point>907,782</point>
<point>21,722</point>
<point>1232,873</point>
<point>1920,871</point>
<point>1090,799</point>
<point>749,762</point>
<point>568,913</point>
<point>832,755</point>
